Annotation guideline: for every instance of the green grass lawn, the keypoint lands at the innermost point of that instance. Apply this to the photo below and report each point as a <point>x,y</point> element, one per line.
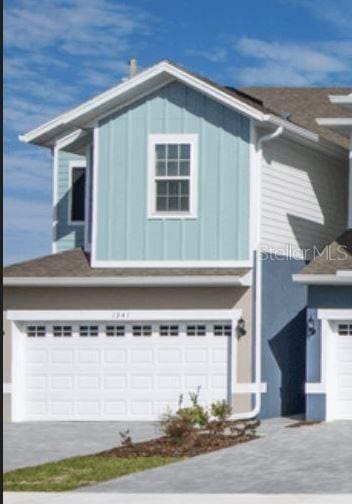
<point>76,472</point>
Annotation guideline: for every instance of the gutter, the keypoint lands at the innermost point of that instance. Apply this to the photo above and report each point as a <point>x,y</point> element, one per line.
<point>259,386</point>
<point>341,278</point>
<point>135,281</point>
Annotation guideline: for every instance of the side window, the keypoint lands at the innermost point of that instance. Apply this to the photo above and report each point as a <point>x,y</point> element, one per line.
<point>78,190</point>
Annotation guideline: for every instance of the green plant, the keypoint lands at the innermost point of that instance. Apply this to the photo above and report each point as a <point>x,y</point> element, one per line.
<point>221,410</point>
<point>176,427</point>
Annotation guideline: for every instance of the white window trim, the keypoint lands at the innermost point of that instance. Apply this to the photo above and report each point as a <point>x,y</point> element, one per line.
<point>80,163</point>
<point>193,195</point>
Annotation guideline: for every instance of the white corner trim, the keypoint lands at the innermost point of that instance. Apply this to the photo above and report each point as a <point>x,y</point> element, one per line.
<point>318,279</point>
<point>55,198</point>
<point>79,163</point>
<point>133,281</point>
<point>334,314</point>
<point>167,138</point>
<point>132,315</point>
<point>315,388</point>
<point>249,388</point>
<point>94,180</point>
<point>7,388</point>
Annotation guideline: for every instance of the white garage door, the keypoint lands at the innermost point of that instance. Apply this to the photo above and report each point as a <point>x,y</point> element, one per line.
<point>343,370</point>
<point>114,371</point>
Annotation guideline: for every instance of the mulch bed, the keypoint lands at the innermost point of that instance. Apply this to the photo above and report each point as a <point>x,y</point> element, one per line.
<point>195,444</point>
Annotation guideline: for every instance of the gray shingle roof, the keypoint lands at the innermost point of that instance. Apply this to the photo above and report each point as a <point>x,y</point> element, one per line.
<point>335,257</point>
<point>305,105</point>
<point>75,264</point>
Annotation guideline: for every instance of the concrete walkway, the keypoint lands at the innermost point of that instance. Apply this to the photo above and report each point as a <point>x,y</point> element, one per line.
<point>75,498</point>
<point>310,460</point>
<point>32,443</point>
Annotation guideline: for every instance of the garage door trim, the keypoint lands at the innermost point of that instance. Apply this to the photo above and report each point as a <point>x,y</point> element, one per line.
<point>19,317</point>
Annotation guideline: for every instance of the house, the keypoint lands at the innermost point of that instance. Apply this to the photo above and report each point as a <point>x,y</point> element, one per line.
<point>182,208</point>
<point>329,313</point>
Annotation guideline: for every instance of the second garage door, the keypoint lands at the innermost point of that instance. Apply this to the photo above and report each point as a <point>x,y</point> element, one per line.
<point>342,376</point>
<point>115,371</point>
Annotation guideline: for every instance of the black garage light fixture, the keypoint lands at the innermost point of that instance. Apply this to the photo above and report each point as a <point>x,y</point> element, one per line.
<point>311,326</point>
<point>241,327</point>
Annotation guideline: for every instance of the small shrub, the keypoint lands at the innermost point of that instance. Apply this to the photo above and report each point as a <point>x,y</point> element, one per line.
<point>126,439</point>
<point>221,410</point>
<point>176,428</point>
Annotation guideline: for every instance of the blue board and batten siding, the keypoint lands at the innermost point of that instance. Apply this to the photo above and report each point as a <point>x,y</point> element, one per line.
<point>221,229</point>
<point>66,236</point>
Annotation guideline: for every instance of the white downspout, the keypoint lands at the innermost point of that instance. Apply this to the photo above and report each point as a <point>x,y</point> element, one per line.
<point>258,283</point>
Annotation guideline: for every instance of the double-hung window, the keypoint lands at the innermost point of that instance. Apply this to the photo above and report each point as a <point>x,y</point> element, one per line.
<point>172,181</point>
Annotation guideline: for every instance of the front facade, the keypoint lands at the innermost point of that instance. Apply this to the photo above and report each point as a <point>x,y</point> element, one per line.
<point>171,194</point>
<point>329,313</point>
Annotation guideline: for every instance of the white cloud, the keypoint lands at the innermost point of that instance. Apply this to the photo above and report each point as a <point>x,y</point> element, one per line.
<point>275,63</point>
<point>335,12</point>
<point>215,55</point>
<point>58,53</point>
<point>23,220</point>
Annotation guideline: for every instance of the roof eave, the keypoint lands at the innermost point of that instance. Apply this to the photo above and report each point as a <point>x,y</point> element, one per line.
<point>73,119</point>
<point>135,281</point>
<point>343,278</point>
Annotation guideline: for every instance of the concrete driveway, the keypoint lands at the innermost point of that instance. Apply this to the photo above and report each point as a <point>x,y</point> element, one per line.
<point>307,460</point>
<point>32,443</point>
<point>312,459</point>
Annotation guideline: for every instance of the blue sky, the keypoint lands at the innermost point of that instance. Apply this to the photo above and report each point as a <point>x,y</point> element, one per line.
<point>58,53</point>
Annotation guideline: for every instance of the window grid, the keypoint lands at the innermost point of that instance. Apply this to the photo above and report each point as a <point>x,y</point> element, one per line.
<point>196,330</point>
<point>36,331</point>
<point>59,331</point>
<point>88,330</point>
<point>222,330</point>
<point>345,329</point>
<point>142,330</point>
<point>168,330</point>
<point>115,330</point>
<point>172,177</point>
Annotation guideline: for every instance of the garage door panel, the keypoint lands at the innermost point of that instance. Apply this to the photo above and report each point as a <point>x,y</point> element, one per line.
<point>61,409</point>
<point>115,356</point>
<point>114,382</point>
<point>169,356</point>
<point>61,382</point>
<point>122,377</point>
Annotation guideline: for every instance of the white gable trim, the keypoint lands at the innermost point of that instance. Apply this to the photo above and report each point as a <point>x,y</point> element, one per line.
<point>164,67</point>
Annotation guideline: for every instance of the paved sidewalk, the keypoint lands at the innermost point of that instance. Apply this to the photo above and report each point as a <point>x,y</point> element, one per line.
<point>310,459</point>
<point>75,498</point>
<point>32,443</point>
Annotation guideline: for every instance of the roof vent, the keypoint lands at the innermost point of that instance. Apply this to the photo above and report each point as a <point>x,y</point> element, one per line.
<point>133,67</point>
<point>286,115</point>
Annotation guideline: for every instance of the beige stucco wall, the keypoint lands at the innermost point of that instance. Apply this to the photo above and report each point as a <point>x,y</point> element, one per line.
<point>37,298</point>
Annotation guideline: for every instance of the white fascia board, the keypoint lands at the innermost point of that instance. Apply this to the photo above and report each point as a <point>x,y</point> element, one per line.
<point>334,121</point>
<point>344,100</point>
<point>345,273</point>
<point>334,314</point>
<point>138,281</point>
<point>127,315</point>
<point>323,279</point>
<point>69,118</point>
